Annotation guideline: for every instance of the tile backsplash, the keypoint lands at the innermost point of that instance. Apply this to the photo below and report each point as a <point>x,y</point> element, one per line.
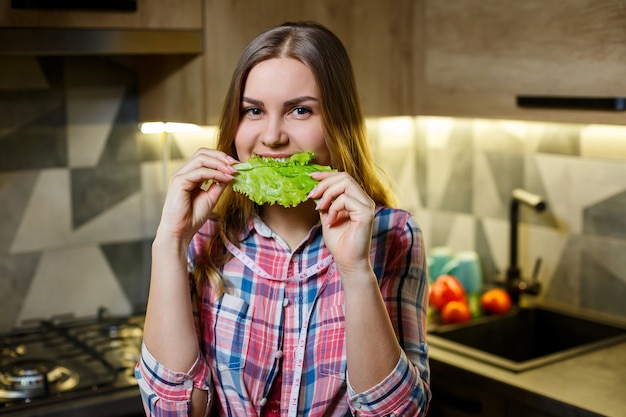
<point>457,176</point>
<point>81,190</point>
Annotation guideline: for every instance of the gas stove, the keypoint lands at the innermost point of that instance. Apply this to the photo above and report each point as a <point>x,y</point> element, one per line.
<point>64,359</point>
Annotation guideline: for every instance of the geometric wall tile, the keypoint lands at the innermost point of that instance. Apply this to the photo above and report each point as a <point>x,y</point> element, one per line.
<point>121,145</point>
<point>130,264</point>
<point>507,171</point>
<point>487,199</point>
<point>602,141</point>
<point>406,185</point>
<point>440,227</point>
<point>572,184</point>
<point>607,218</point>
<point>37,143</point>
<point>488,264</point>
<point>498,136</point>
<point>533,182</point>
<point>16,272</point>
<point>603,291</point>
<point>492,243</point>
<point>15,190</point>
<point>561,139</point>
<point>45,222</point>
<point>91,114</point>
<point>95,190</point>
<point>462,233</point>
<point>565,285</point>
<point>457,194</point>
<point>81,288</point>
<point>439,170</point>
<point>591,275</point>
<point>121,222</point>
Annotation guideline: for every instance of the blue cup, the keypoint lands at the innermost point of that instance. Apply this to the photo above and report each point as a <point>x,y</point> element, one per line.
<point>438,258</point>
<point>466,268</point>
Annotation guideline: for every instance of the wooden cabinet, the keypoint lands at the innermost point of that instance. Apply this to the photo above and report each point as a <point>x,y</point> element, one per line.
<point>377,34</point>
<point>465,58</point>
<point>480,54</point>
<point>150,14</point>
<point>379,37</point>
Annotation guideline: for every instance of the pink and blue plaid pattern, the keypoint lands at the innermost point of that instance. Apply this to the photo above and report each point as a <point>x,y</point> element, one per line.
<point>286,307</point>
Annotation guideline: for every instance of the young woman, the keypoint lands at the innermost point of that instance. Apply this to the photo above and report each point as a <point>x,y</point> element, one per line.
<point>313,310</point>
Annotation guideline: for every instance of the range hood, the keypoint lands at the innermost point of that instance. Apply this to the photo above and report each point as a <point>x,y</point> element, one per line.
<point>83,41</point>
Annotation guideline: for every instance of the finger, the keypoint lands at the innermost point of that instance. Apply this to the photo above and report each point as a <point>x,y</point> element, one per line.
<point>200,177</point>
<point>345,208</point>
<point>331,187</point>
<point>210,158</point>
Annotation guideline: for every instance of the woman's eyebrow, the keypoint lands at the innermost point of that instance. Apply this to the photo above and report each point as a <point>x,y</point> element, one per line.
<point>252,101</point>
<point>298,100</point>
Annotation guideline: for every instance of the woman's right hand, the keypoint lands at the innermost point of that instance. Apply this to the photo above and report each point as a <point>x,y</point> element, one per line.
<point>188,206</point>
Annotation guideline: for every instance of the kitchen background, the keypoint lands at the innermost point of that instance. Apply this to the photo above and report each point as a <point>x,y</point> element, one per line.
<point>81,190</point>
<point>81,187</point>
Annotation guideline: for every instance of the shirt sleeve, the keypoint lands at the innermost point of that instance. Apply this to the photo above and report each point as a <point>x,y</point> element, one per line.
<point>403,282</point>
<point>165,392</point>
<point>400,394</point>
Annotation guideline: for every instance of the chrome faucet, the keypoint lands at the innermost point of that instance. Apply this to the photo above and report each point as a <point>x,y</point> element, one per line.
<point>514,283</point>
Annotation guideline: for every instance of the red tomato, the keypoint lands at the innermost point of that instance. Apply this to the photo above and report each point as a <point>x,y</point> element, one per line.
<point>456,312</point>
<point>446,288</point>
<point>496,301</point>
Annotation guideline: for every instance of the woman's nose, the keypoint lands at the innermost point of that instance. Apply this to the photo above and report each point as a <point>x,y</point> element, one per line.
<point>274,133</point>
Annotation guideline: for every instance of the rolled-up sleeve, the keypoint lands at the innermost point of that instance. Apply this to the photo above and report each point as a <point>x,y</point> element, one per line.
<point>400,394</point>
<point>165,392</point>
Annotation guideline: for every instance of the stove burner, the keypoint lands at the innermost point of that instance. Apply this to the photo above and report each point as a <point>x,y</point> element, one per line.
<point>34,378</point>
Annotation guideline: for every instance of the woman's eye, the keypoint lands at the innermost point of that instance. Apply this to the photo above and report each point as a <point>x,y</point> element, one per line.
<point>300,112</point>
<point>252,111</point>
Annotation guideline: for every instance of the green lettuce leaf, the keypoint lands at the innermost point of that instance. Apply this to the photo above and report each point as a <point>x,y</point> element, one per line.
<point>271,181</point>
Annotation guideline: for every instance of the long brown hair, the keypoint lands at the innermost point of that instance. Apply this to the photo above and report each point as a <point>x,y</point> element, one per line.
<point>344,127</point>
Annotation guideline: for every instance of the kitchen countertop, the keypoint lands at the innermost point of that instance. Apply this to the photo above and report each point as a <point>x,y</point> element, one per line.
<point>593,381</point>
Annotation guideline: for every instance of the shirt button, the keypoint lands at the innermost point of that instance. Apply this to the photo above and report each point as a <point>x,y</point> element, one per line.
<point>188,383</point>
<point>278,354</point>
<point>263,401</point>
<point>285,302</point>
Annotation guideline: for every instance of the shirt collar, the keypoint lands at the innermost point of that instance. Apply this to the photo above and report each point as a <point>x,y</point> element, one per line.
<point>256,224</point>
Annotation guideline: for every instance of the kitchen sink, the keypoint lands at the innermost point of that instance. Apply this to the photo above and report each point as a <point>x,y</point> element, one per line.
<point>526,338</point>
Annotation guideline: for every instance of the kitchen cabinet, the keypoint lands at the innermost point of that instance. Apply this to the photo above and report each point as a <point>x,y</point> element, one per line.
<point>460,392</point>
<point>380,41</point>
<point>453,398</point>
<point>150,14</point>
<point>481,54</point>
<point>378,37</point>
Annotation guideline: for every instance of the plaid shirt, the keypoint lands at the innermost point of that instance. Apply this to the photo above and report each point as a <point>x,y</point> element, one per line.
<point>284,310</point>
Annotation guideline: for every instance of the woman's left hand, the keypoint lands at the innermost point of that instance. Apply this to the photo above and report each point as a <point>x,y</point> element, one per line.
<point>347,215</point>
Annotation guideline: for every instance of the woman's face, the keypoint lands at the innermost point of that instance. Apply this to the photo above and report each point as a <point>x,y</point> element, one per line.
<point>281,112</point>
